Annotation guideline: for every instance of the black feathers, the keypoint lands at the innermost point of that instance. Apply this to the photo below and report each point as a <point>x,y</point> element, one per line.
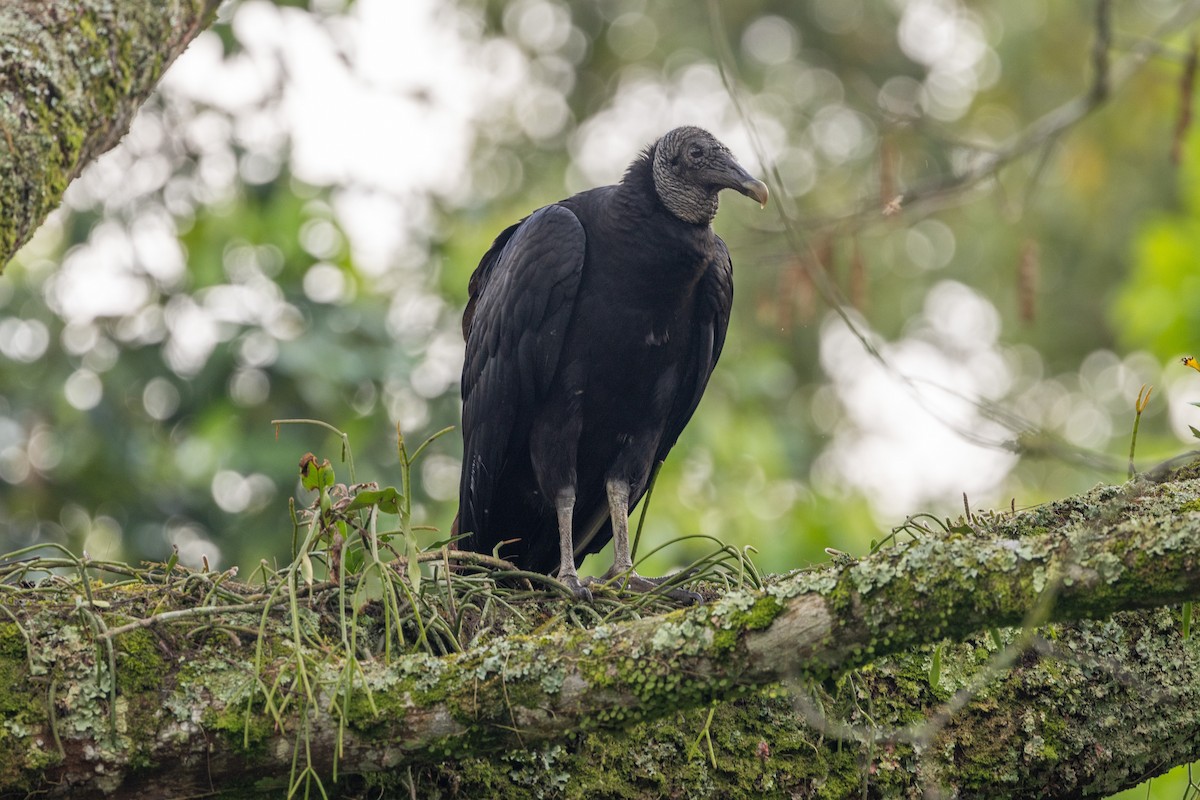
<point>592,328</point>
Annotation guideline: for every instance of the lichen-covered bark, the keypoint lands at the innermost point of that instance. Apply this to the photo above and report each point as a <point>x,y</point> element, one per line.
<point>1099,705</point>
<point>72,74</point>
<point>1109,704</point>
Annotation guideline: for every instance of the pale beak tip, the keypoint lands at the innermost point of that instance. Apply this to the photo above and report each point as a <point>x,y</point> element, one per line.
<point>758,190</point>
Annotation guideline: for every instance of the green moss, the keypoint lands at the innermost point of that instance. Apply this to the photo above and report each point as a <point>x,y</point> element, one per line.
<point>751,744</point>
<point>23,709</point>
<point>761,614</point>
<point>14,695</point>
<point>15,773</point>
<point>724,640</point>
<point>12,643</point>
<point>745,612</point>
<point>21,702</point>
<point>843,777</point>
<point>243,732</point>
<point>140,667</point>
<point>364,712</point>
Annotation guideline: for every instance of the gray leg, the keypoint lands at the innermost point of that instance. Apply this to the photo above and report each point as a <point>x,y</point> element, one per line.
<point>564,505</point>
<point>618,509</point>
<point>622,568</point>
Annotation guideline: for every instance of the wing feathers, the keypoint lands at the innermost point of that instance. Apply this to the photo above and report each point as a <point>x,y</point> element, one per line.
<point>522,298</point>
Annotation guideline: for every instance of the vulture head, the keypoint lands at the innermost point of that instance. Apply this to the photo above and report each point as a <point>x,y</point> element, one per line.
<point>690,167</point>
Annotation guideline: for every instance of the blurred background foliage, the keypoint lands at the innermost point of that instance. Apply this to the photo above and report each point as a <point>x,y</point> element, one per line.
<point>289,227</point>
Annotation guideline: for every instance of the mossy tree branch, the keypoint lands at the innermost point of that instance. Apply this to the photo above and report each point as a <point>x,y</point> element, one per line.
<point>1085,707</point>
<point>71,77</point>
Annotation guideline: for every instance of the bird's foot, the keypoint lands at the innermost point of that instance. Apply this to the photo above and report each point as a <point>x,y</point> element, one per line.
<point>578,588</point>
<point>629,579</point>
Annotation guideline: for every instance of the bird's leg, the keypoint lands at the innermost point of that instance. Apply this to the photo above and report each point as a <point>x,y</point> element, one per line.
<point>622,567</point>
<point>564,505</point>
<point>618,509</point>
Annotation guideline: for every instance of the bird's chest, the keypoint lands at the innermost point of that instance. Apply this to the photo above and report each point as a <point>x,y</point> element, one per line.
<point>633,321</point>
<point>636,322</point>
<point>642,300</point>
<point>630,357</point>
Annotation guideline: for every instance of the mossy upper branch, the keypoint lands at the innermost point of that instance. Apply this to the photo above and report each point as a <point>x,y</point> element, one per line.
<point>71,77</point>
<point>1115,548</point>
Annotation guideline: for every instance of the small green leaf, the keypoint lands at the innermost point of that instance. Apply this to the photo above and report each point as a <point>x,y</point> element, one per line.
<point>935,667</point>
<point>306,569</point>
<point>1195,432</point>
<point>996,640</point>
<point>387,499</point>
<point>326,475</point>
<point>314,474</point>
<point>1187,620</point>
<point>438,545</point>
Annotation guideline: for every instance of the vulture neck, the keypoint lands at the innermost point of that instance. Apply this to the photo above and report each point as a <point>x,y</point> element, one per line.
<point>687,202</point>
<point>673,252</point>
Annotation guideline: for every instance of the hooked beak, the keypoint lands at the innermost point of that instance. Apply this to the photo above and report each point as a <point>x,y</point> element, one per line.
<point>756,189</point>
<point>731,175</point>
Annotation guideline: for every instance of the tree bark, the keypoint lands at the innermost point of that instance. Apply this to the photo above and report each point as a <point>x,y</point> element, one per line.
<point>822,684</point>
<point>72,74</point>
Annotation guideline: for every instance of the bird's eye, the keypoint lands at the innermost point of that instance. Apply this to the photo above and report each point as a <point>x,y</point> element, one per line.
<point>695,151</point>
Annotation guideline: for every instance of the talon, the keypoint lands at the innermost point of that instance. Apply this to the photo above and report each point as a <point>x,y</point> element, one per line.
<point>678,594</point>
<point>627,579</point>
<point>582,593</point>
<point>685,596</point>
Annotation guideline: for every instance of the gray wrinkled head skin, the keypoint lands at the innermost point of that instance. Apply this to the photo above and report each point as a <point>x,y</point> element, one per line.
<point>691,167</point>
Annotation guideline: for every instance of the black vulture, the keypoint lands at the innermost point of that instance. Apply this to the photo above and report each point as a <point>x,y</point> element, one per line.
<point>592,328</point>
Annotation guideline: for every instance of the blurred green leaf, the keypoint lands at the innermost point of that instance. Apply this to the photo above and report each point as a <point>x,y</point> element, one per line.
<point>388,500</point>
